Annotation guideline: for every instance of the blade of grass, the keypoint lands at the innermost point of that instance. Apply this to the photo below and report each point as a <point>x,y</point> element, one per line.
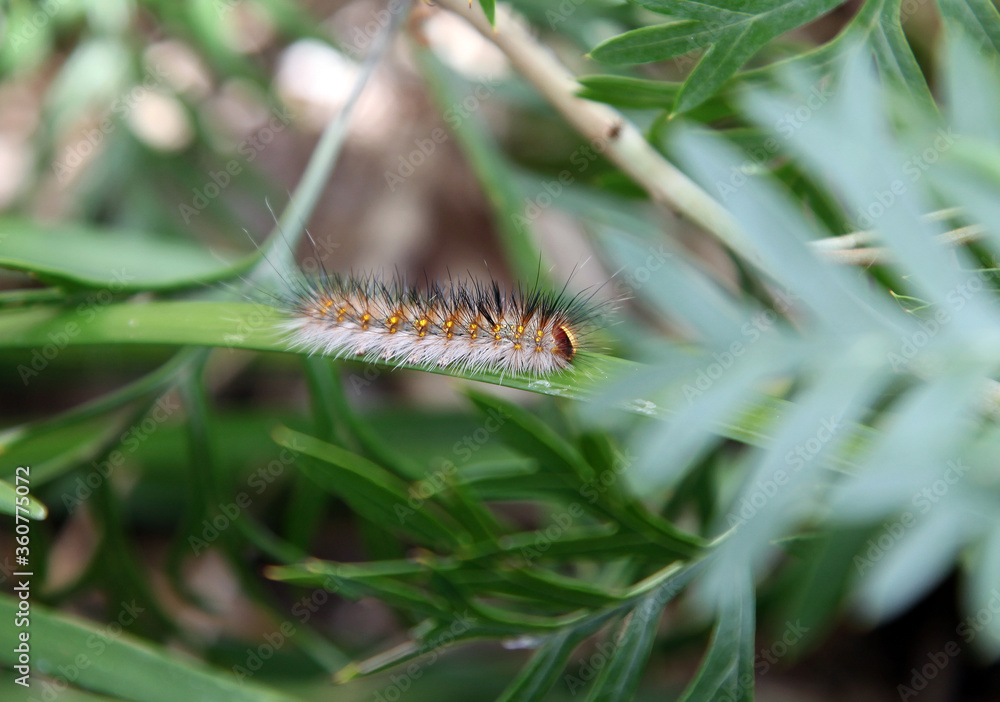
<point>241,325</point>
<point>120,665</point>
<point>11,500</point>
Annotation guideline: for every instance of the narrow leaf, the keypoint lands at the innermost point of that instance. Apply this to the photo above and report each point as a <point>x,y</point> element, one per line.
<point>14,502</point>
<point>727,670</point>
<point>372,491</point>
<point>121,665</point>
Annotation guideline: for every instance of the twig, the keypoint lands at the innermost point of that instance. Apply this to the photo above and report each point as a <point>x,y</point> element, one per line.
<point>867,236</point>
<point>604,127</point>
<point>838,249</point>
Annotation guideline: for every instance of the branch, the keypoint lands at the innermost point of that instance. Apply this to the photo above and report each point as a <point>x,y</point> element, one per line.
<point>623,143</point>
<point>840,249</point>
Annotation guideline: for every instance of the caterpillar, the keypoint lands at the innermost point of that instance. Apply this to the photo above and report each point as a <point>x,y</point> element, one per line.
<point>466,325</point>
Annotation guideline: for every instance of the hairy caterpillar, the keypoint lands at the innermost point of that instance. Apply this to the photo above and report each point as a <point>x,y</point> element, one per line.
<point>465,325</point>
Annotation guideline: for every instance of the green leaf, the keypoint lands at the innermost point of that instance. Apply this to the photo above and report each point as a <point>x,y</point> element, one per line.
<point>114,260</point>
<point>602,543</point>
<point>571,591</point>
<point>977,18</point>
<point>732,34</point>
<point>542,671</point>
<point>378,579</point>
<point>372,491</point>
<point>895,59</point>
<point>489,9</point>
<point>247,326</point>
<point>619,679</point>
<point>9,505</point>
<point>917,560</point>
<point>226,325</point>
<point>656,43</point>
<point>521,430</point>
<point>982,573</point>
<point>972,90</point>
<point>524,432</point>
<point>119,665</point>
<point>727,669</point>
<point>629,92</point>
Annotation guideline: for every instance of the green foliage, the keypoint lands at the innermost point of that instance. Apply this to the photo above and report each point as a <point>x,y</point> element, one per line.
<point>123,666</point>
<point>731,33</point>
<point>737,469</point>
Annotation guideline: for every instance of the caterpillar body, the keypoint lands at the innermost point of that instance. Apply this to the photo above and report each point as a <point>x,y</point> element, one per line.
<point>470,326</point>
